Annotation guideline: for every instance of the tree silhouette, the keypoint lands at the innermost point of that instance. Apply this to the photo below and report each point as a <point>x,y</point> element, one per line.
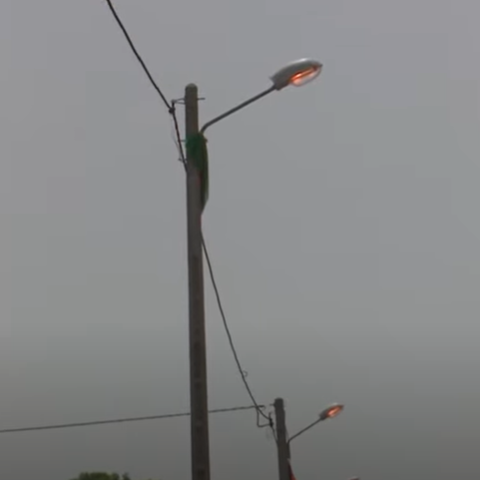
<point>102,476</point>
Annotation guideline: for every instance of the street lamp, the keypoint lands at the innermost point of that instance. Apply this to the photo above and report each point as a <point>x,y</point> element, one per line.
<point>283,444</point>
<point>330,412</point>
<point>296,73</point>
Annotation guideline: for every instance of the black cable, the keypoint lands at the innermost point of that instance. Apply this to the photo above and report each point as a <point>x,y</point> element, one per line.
<point>172,112</point>
<point>178,137</point>
<point>137,55</point>
<point>218,298</point>
<point>121,420</point>
<point>242,372</point>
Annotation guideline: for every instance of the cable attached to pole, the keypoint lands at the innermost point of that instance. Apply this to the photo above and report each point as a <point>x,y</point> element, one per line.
<point>121,420</point>
<point>243,373</point>
<point>137,55</point>
<point>178,140</point>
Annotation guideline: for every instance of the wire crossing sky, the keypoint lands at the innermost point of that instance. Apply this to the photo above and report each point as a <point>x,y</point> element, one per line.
<point>62,426</point>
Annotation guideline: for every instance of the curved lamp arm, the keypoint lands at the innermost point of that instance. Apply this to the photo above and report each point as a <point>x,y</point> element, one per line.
<point>237,108</point>
<point>329,412</point>
<point>304,430</point>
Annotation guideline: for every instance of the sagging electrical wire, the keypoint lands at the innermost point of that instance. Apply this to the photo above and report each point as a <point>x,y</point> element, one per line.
<point>137,55</point>
<point>177,136</point>
<point>243,373</point>
<point>172,111</point>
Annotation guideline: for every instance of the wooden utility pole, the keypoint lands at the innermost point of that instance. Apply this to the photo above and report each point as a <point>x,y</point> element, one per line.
<point>282,443</point>
<point>200,445</point>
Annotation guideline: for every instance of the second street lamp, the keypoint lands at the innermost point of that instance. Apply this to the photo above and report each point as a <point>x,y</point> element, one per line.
<point>283,443</point>
<point>297,73</point>
<point>330,412</point>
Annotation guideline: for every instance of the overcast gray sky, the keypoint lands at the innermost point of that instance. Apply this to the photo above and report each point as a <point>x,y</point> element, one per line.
<point>342,223</point>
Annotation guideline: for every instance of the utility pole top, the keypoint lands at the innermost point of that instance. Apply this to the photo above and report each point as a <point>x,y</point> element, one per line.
<point>282,444</point>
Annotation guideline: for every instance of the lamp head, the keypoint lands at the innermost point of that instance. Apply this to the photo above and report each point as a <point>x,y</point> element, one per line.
<point>297,73</point>
<point>331,411</point>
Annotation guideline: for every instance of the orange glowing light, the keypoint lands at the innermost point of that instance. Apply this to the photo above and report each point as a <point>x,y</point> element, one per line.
<point>304,76</point>
<point>334,411</point>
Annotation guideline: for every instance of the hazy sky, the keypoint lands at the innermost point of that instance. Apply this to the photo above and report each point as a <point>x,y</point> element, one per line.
<point>342,223</point>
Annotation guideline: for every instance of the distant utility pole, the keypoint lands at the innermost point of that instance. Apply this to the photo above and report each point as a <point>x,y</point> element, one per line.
<point>200,446</point>
<point>283,449</point>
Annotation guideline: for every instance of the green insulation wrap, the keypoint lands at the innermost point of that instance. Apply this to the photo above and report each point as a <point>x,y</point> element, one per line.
<point>197,153</point>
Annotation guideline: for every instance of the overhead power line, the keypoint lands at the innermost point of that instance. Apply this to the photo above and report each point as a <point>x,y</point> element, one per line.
<point>169,105</point>
<point>137,55</point>
<point>178,140</point>
<point>121,420</point>
<point>243,373</point>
